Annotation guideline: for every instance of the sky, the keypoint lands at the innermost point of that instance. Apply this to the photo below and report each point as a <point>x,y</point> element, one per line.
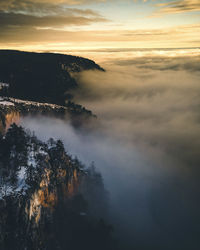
<point>61,25</point>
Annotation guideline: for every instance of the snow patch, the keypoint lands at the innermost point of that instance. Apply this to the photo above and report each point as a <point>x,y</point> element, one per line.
<point>6,103</point>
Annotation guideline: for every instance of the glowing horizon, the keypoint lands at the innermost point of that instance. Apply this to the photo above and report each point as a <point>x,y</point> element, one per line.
<point>43,25</point>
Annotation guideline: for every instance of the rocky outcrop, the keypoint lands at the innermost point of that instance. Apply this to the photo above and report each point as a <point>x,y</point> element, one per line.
<point>46,197</point>
<point>12,109</point>
<point>41,77</point>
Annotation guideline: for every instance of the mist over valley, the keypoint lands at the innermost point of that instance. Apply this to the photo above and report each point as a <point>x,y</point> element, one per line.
<point>145,144</point>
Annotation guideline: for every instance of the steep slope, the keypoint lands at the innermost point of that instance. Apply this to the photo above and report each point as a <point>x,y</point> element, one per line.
<point>12,109</point>
<point>41,77</point>
<point>46,197</point>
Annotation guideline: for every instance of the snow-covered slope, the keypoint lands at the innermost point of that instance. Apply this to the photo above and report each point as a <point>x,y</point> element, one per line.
<point>11,109</point>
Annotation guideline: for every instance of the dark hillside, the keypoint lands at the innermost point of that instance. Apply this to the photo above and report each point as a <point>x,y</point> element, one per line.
<point>47,197</point>
<point>42,77</point>
<point>11,110</point>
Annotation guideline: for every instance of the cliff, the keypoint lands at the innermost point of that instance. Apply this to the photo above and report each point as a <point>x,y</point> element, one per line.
<point>12,109</point>
<point>41,77</point>
<point>46,197</point>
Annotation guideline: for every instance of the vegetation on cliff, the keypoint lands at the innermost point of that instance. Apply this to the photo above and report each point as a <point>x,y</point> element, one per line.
<point>47,196</point>
<point>41,77</point>
<point>11,108</point>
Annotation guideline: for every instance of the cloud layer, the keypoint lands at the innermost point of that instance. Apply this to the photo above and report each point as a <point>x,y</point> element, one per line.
<point>177,7</point>
<point>26,16</point>
<point>54,25</point>
<point>146,146</point>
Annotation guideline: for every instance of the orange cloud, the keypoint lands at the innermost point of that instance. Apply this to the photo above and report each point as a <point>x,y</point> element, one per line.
<point>52,39</point>
<point>176,7</point>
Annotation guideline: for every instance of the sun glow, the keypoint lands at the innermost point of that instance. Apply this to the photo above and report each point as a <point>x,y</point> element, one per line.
<point>71,25</point>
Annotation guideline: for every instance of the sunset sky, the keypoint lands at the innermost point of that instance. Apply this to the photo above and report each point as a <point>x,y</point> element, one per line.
<point>58,25</point>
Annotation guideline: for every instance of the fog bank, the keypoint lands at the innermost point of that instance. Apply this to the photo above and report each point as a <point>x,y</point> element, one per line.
<point>146,147</point>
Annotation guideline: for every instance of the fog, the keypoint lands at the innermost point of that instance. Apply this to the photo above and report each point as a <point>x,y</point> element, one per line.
<point>146,146</point>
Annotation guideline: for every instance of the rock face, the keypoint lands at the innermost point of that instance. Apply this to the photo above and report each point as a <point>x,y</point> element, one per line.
<point>38,83</point>
<point>41,77</point>
<point>46,197</point>
<point>12,109</point>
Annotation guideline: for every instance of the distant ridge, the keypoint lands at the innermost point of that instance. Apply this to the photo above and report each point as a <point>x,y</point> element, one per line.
<point>41,77</point>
